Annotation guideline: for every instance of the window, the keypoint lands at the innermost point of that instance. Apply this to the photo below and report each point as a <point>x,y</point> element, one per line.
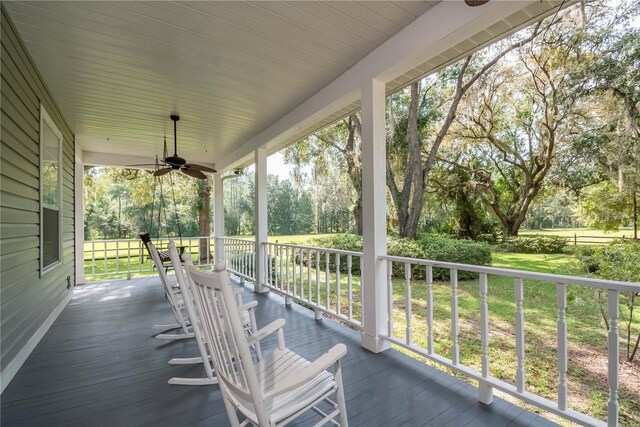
<point>50,192</point>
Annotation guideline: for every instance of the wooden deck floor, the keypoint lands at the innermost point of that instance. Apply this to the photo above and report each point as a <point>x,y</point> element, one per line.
<point>99,366</point>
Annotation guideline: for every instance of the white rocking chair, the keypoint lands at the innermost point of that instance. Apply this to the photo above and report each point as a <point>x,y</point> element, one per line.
<point>248,320</point>
<point>281,386</point>
<point>176,301</point>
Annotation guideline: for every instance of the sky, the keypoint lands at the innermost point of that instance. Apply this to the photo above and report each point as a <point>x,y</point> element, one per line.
<point>276,166</point>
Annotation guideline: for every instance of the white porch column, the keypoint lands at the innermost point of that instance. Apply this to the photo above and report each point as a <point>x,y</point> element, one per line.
<point>78,194</point>
<point>374,216</point>
<point>218,218</point>
<point>260,218</point>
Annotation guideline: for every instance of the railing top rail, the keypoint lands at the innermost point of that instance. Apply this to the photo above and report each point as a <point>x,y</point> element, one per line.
<point>315,248</point>
<point>242,239</point>
<point>546,277</point>
<point>137,239</point>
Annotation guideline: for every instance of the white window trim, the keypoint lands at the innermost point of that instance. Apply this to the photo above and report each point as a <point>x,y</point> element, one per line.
<point>46,118</point>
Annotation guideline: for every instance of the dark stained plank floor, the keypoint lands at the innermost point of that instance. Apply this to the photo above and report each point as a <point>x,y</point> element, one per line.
<point>100,366</point>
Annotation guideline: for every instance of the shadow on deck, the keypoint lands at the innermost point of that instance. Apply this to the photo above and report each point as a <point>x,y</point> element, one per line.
<point>100,366</point>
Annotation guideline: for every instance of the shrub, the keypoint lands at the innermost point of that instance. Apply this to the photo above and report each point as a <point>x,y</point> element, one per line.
<point>487,238</point>
<point>426,247</point>
<point>345,242</point>
<point>441,248</point>
<point>619,260</point>
<point>534,244</point>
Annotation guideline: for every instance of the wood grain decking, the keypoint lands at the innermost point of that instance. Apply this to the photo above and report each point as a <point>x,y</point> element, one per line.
<point>100,366</point>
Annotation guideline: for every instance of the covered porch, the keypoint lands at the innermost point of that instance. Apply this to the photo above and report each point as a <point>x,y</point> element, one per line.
<point>241,100</point>
<point>100,365</point>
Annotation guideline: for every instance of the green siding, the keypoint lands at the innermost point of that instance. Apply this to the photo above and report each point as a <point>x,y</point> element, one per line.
<point>26,298</point>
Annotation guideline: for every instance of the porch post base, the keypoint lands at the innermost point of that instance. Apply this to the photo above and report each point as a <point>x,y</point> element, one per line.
<point>485,393</point>
<point>260,289</point>
<point>374,344</point>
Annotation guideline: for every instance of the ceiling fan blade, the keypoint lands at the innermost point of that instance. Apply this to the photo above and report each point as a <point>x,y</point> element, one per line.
<point>194,173</point>
<point>140,164</point>
<point>162,171</point>
<point>201,168</point>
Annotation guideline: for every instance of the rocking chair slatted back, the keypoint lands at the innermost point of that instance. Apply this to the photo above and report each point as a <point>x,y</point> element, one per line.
<point>168,289</point>
<point>224,331</point>
<point>187,295</point>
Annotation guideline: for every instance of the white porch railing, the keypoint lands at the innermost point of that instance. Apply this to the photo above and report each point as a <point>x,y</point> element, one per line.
<point>328,282</point>
<point>319,278</point>
<point>239,257</point>
<point>128,257</point>
<point>409,267</point>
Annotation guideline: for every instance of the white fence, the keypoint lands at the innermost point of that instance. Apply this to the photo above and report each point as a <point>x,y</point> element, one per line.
<point>128,257</point>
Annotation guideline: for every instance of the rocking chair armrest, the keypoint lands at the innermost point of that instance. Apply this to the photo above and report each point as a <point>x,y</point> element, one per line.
<point>272,327</point>
<point>237,290</point>
<point>305,375</point>
<point>248,306</point>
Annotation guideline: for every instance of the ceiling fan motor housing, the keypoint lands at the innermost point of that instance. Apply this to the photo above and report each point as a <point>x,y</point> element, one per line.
<point>175,160</point>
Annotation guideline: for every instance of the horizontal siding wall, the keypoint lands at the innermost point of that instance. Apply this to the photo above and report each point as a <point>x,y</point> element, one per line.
<point>27,299</point>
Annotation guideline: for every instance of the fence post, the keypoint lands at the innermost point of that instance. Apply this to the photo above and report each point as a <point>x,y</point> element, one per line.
<point>575,239</point>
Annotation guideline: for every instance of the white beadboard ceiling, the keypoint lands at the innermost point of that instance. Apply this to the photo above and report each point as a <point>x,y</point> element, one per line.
<point>230,69</point>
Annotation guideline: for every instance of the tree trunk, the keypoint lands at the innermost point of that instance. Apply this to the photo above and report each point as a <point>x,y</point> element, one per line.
<point>352,152</point>
<point>204,217</point>
<point>357,215</point>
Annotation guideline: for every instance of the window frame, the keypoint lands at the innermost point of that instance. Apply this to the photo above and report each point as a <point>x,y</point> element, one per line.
<point>45,118</point>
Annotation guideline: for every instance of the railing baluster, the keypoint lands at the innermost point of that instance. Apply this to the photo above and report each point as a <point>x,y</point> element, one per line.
<point>302,275</point>
<point>327,273</point>
<point>350,285</point>
<point>317,277</point>
<point>309,275</point>
<point>295,284</point>
<point>128,259</point>
<point>301,295</point>
<point>519,295</point>
<point>117,257</point>
<point>93,258</point>
<point>455,350</point>
<point>273,265</point>
<point>614,361</point>
<point>561,297</point>
<point>486,391</point>
<point>338,292</point>
<point>248,259</point>
<point>208,240</point>
<point>408,306</point>
<point>429,309</point>
<point>280,257</point>
<point>389,297</point>
<point>287,264</point>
